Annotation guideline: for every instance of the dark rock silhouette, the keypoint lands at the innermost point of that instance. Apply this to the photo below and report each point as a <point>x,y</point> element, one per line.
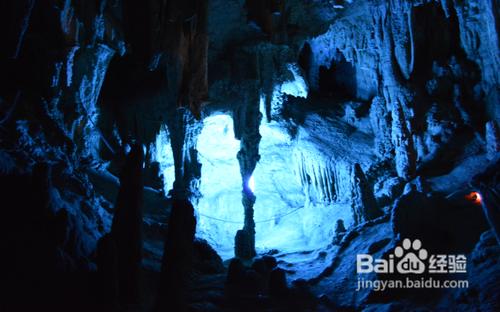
<point>126,231</point>
<point>177,261</point>
<point>488,185</point>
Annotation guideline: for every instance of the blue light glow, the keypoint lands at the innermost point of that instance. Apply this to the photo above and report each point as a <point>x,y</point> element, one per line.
<point>251,184</point>
<point>285,219</point>
<point>278,212</point>
<point>220,184</point>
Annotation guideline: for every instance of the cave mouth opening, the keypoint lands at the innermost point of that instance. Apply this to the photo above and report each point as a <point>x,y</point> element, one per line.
<point>285,220</point>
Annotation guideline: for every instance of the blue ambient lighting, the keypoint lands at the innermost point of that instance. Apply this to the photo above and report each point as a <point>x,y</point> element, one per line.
<point>284,218</point>
<point>251,184</point>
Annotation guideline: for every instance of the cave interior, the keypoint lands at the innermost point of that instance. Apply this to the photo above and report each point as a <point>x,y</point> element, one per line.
<point>231,155</point>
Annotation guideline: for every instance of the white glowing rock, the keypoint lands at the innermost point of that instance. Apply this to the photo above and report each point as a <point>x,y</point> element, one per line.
<point>251,184</point>
<point>298,86</point>
<point>163,154</point>
<point>285,219</point>
<point>219,210</point>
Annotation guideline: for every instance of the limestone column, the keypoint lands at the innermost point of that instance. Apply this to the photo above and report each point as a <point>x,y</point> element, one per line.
<point>247,121</point>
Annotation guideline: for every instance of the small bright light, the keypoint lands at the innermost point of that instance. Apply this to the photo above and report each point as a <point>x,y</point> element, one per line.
<point>251,184</point>
<point>474,197</point>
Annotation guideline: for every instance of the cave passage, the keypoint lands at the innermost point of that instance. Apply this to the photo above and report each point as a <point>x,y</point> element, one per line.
<point>279,196</point>
<point>284,219</point>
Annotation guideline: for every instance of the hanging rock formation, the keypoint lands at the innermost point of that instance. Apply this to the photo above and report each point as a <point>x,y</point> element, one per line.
<point>184,130</point>
<point>381,123</point>
<point>184,40</point>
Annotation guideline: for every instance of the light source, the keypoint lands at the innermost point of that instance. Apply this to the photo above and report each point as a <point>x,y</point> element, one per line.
<point>251,184</point>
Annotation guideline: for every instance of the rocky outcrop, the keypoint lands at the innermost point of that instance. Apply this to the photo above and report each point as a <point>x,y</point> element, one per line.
<point>380,42</point>
<point>340,232</point>
<point>492,139</point>
<point>402,141</point>
<point>364,206</point>
<point>414,215</point>
<point>206,259</point>
<point>270,16</point>
<point>479,40</point>
<point>487,184</point>
<point>482,276</point>
<point>324,157</point>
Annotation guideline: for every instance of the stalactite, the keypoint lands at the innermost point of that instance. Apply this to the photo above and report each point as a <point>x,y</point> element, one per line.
<point>270,16</point>
<point>185,41</point>
<point>402,32</point>
<point>398,98</point>
<point>381,124</point>
<point>322,181</point>
<point>184,130</point>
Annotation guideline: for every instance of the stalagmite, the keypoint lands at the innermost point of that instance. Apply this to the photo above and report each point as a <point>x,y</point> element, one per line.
<point>340,232</point>
<point>364,205</point>
<point>398,97</point>
<point>126,231</point>
<point>403,144</point>
<point>177,258</point>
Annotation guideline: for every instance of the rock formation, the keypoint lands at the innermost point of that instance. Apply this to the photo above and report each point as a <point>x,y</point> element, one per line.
<point>270,129</point>
<point>126,230</point>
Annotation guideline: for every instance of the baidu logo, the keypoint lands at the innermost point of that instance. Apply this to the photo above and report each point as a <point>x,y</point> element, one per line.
<point>411,258</point>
